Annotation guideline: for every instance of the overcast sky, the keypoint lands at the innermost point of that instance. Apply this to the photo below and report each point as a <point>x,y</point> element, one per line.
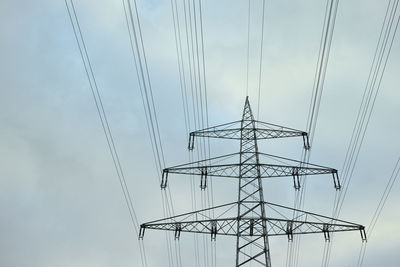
<point>60,201</point>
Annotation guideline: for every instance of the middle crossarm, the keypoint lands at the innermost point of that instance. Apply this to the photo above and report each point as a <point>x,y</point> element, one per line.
<point>213,167</point>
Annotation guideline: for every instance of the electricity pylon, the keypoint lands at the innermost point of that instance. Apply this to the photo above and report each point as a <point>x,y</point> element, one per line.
<point>251,220</point>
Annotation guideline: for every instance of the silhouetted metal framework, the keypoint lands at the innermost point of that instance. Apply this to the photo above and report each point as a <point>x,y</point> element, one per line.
<point>251,220</point>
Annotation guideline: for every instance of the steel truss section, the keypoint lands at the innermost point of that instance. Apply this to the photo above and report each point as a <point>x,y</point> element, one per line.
<point>263,130</point>
<point>205,168</point>
<point>251,220</point>
<point>251,226</point>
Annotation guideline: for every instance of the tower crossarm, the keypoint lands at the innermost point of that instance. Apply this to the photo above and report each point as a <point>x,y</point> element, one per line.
<point>288,221</point>
<point>251,226</point>
<point>267,170</point>
<point>210,167</point>
<point>207,220</point>
<point>234,129</point>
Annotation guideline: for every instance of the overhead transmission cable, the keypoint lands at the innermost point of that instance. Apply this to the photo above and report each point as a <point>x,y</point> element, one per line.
<point>378,210</point>
<point>189,59</point>
<point>104,121</point>
<point>371,91</point>
<point>260,62</point>
<point>195,104</point>
<point>141,66</point>
<point>196,81</point>
<point>210,188</point>
<point>194,21</point>
<point>248,48</point>
<point>381,55</point>
<point>319,79</point>
<point>261,58</point>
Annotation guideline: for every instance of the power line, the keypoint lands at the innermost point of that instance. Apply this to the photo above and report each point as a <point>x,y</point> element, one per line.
<point>371,91</point>
<point>248,49</point>
<point>210,189</point>
<point>370,94</point>
<point>141,66</point>
<point>261,58</point>
<point>199,100</point>
<point>319,79</point>
<point>189,58</point>
<point>378,210</point>
<point>195,59</point>
<point>144,76</point>
<point>322,67</point>
<point>104,121</point>
<point>383,199</point>
<point>195,102</point>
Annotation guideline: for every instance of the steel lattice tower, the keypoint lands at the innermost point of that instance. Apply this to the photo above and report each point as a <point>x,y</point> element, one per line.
<point>251,220</point>
<point>250,188</point>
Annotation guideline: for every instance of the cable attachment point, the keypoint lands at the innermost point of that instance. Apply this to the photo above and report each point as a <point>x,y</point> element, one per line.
<point>164,179</point>
<point>289,230</point>
<point>203,179</point>
<point>296,178</point>
<point>325,230</point>
<point>213,230</point>
<point>306,141</point>
<point>363,234</point>
<point>141,232</point>
<point>336,181</point>
<point>178,229</point>
<point>191,141</point>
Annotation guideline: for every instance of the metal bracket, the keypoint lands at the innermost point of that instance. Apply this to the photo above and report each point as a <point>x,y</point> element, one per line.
<point>306,141</point>
<point>178,229</point>
<point>325,230</point>
<point>363,234</point>
<point>164,179</point>
<point>191,141</point>
<point>213,230</point>
<point>296,178</point>
<point>141,232</point>
<point>289,231</point>
<point>336,181</point>
<point>203,179</point>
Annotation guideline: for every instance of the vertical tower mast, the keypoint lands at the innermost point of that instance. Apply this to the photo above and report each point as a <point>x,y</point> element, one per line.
<point>250,188</point>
